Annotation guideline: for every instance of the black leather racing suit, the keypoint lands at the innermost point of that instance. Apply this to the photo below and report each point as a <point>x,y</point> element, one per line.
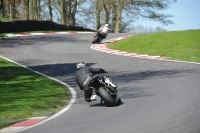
<point>83,77</point>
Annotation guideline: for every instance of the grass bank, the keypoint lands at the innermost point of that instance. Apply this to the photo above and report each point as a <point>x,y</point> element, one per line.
<point>176,45</point>
<point>5,19</point>
<point>2,34</point>
<point>25,94</point>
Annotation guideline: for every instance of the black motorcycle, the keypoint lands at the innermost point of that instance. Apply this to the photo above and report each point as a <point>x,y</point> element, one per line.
<point>105,90</point>
<point>98,37</point>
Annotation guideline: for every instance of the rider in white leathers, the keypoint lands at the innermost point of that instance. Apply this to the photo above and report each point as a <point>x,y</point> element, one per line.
<point>104,30</point>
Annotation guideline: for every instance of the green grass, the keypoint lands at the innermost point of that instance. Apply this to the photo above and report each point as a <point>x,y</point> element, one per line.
<point>176,45</point>
<point>2,34</point>
<point>4,19</point>
<point>24,94</point>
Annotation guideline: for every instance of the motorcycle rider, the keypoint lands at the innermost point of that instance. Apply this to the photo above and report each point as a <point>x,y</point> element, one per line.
<point>83,77</point>
<point>104,31</point>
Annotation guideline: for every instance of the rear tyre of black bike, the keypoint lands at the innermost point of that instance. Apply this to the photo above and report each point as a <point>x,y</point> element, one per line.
<point>106,97</point>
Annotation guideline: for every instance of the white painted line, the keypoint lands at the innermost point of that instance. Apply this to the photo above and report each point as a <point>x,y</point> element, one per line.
<point>129,54</point>
<point>120,38</point>
<point>122,52</point>
<point>73,93</point>
<point>155,56</point>
<point>183,61</point>
<point>33,118</point>
<point>62,32</point>
<point>111,50</point>
<point>141,55</point>
<point>11,129</point>
<point>10,35</point>
<point>101,46</point>
<point>37,34</point>
<point>118,53</point>
<point>43,33</point>
<point>104,49</point>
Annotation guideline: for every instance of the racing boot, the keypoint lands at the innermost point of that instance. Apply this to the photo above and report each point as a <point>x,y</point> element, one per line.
<point>95,97</point>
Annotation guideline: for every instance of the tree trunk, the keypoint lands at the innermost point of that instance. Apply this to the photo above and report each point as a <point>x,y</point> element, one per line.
<point>23,10</point>
<point>73,14</point>
<point>31,10</point>
<point>27,9</point>
<point>119,12</point>
<point>107,9</point>
<point>39,10</point>
<point>50,10</point>
<point>2,8</point>
<point>7,9</point>
<point>14,9</point>
<point>114,14</point>
<point>62,12</point>
<point>68,11</point>
<point>99,7</point>
<point>35,10</point>
<point>10,9</point>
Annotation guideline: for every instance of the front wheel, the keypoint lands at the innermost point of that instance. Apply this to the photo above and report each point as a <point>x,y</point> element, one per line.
<point>95,40</point>
<point>106,97</point>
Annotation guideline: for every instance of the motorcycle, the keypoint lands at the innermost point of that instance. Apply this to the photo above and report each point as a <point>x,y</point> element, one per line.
<point>105,90</point>
<point>98,37</point>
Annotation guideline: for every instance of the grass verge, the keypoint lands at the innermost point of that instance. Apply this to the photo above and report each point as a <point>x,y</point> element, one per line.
<point>176,45</point>
<point>6,19</point>
<point>25,94</point>
<point>2,34</point>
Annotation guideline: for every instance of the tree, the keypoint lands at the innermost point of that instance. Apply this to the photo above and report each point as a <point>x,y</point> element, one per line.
<point>99,7</point>
<point>25,9</point>
<point>50,9</point>
<point>1,7</point>
<point>67,10</point>
<point>142,29</point>
<point>71,12</point>
<point>33,9</point>
<point>133,9</point>
<point>149,9</point>
<point>119,14</point>
<point>107,4</point>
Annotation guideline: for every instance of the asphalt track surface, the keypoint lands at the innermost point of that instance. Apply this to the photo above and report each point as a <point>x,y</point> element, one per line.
<point>158,96</point>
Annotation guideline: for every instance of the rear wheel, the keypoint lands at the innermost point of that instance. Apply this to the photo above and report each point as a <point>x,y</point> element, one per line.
<point>105,96</point>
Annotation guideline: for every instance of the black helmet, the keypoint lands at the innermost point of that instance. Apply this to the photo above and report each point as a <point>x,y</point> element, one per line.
<point>80,65</point>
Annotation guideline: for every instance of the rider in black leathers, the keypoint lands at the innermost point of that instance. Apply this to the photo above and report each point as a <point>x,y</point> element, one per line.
<point>84,75</point>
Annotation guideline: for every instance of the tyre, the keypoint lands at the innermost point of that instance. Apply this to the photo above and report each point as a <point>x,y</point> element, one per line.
<point>100,39</point>
<point>95,40</point>
<point>106,97</point>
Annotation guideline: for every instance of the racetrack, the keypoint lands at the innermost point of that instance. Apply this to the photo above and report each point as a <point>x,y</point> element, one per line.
<point>158,96</point>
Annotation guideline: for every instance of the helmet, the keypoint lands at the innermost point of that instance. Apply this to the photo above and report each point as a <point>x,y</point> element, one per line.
<point>80,65</point>
<point>106,25</point>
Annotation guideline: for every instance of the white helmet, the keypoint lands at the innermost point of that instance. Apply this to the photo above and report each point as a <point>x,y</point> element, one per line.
<point>80,65</point>
<point>106,25</point>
